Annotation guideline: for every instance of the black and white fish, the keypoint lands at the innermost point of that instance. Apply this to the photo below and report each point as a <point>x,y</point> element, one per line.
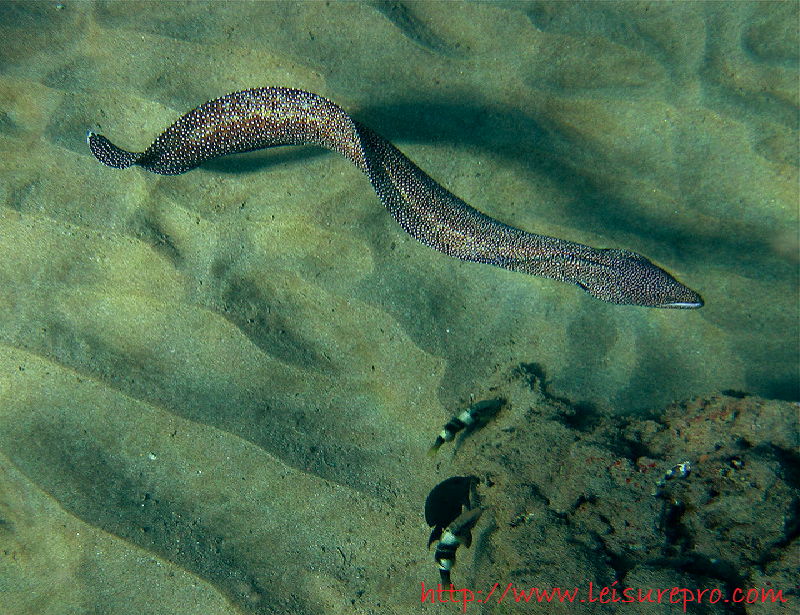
<point>446,501</point>
<point>452,510</point>
<point>458,533</point>
<point>473,417</point>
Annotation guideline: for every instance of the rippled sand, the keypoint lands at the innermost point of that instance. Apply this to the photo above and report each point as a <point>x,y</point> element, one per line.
<point>218,388</point>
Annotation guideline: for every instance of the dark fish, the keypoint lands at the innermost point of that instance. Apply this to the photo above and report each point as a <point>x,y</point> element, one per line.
<point>267,117</point>
<point>445,502</point>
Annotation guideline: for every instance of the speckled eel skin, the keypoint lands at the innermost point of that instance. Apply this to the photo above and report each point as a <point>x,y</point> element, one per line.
<point>267,117</point>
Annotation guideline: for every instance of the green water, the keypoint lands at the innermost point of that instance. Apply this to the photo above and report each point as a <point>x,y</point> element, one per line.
<point>218,388</point>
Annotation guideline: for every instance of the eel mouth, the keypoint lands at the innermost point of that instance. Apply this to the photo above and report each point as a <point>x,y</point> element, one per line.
<point>684,305</point>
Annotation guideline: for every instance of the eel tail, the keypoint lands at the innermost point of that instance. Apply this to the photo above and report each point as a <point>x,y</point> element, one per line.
<point>109,154</point>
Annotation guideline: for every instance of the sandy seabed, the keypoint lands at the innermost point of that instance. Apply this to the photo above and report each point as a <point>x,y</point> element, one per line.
<point>217,389</point>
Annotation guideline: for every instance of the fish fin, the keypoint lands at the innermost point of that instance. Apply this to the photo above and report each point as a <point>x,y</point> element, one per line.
<point>435,446</point>
<point>436,534</point>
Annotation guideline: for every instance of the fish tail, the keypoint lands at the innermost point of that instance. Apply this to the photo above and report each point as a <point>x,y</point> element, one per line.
<point>435,446</point>
<point>109,154</point>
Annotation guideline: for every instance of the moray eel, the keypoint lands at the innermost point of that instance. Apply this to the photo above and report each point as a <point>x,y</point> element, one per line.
<point>267,117</point>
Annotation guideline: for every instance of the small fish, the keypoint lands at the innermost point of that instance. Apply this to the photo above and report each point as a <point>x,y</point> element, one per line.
<point>682,470</point>
<point>459,532</point>
<point>476,415</point>
<point>446,501</point>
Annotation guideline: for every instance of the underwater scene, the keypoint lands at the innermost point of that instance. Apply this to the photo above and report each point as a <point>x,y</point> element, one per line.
<point>512,326</point>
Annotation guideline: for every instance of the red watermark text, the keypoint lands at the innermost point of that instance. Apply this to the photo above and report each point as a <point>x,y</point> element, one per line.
<point>592,593</point>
